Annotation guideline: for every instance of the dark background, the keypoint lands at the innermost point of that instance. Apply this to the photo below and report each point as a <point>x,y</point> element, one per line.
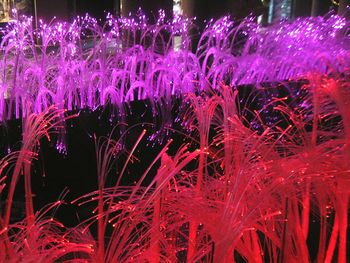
<point>202,9</point>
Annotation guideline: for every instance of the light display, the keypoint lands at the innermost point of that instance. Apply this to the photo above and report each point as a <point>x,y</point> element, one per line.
<point>253,172</point>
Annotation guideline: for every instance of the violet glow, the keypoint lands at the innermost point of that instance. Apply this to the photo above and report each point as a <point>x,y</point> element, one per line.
<point>81,64</point>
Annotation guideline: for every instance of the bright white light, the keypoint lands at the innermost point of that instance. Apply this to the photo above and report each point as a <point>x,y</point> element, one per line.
<point>177,8</point>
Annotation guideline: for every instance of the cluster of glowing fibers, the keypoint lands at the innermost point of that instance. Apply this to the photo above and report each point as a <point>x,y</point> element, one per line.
<point>83,64</point>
